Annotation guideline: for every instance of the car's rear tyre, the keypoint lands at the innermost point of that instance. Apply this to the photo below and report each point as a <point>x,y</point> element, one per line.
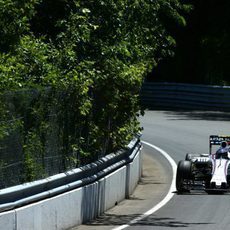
<point>228,175</point>
<point>184,172</point>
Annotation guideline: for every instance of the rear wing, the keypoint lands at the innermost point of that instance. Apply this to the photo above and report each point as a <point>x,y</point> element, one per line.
<point>217,140</point>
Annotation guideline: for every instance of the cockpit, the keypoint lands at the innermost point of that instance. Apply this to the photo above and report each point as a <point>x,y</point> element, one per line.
<point>223,151</point>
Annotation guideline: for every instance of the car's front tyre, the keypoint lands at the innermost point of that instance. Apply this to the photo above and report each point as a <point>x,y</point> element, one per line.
<point>184,173</point>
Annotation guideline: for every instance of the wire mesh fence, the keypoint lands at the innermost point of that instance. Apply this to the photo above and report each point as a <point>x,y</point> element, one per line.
<point>41,134</point>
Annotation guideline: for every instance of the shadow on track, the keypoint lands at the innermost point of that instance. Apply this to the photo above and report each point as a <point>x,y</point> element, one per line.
<point>197,115</point>
<point>202,192</point>
<point>118,220</point>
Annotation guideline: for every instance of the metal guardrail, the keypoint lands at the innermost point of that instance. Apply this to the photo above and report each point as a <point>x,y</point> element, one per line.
<point>185,96</point>
<point>20,195</point>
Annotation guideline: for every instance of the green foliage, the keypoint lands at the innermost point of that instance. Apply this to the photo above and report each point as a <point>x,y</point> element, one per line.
<point>85,61</point>
<point>33,149</point>
<point>32,64</point>
<point>14,20</point>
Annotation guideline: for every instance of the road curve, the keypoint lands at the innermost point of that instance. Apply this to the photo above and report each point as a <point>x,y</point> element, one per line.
<point>177,133</point>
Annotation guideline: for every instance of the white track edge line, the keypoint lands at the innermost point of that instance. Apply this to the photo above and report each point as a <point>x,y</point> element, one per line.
<point>166,199</point>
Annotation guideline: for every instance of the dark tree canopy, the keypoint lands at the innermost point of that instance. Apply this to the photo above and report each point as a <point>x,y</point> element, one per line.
<point>202,54</point>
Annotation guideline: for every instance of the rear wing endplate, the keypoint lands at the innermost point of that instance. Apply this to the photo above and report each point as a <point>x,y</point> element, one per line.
<point>217,140</point>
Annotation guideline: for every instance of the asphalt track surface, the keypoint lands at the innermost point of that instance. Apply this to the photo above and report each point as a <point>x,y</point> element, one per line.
<point>176,133</point>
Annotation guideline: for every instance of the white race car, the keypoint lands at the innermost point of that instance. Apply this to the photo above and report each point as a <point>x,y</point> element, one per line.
<point>209,172</point>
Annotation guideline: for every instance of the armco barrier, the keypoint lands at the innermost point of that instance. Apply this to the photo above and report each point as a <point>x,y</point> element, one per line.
<point>185,96</point>
<point>112,179</point>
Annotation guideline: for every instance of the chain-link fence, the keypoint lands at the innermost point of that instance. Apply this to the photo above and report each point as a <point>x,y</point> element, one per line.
<point>41,134</point>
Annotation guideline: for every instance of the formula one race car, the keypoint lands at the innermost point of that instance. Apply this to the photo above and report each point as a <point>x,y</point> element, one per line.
<point>209,172</point>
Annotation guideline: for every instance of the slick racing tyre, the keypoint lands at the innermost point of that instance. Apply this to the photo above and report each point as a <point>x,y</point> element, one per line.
<point>184,174</point>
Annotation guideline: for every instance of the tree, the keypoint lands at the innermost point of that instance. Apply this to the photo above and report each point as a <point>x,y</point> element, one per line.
<point>14,21</point>
<point>92,56</point>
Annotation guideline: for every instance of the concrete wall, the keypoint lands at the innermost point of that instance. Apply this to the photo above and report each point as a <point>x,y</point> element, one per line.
<point>77,206</point>
<point>115,186</point>
<point>60,212</point>
<point>8,220</point>
<point>134,170</point>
